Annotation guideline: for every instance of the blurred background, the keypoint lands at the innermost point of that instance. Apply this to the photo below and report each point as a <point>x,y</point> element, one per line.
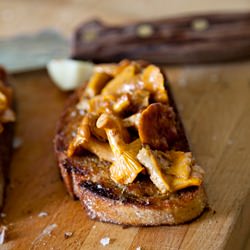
<point>18,16</point>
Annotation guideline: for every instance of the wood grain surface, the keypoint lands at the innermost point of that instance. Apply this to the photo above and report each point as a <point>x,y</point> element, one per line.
<point>215,105</point>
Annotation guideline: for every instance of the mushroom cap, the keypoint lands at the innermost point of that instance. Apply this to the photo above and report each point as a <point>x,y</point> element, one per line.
<point>157,126</point>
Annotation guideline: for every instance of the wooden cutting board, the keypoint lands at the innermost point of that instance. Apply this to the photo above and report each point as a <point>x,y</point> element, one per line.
<point>214,102</point>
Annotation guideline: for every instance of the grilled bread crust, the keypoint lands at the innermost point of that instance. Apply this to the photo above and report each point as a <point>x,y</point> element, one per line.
<point>6,138</point>
<point>5,155</point>
<point>138,204</point>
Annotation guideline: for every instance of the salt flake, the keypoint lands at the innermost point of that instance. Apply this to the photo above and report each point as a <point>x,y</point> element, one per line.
<point>42,214</point>
<point>3,230</point>
<point>68,235</point>
<point>105,241</point>
<point>48,230</point>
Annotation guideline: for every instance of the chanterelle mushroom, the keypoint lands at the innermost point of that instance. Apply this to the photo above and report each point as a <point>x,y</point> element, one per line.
<point>112,69</point>
<point>97,132</point>
<point>96,83</point>
<point>3,102</point>
<point>6,113</point>
<point>121,104</point>
<point>109,121</point>
<point>170,171</point>
<point>157,126</point>
<point>83,139</point>
<point>123,83</point>
<point>125,167</point>
<point>153,81</point>
<point>132,121</point>
<point>82,136</point>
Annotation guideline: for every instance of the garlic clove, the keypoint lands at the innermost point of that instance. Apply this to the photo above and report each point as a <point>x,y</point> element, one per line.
<point>69,74</point>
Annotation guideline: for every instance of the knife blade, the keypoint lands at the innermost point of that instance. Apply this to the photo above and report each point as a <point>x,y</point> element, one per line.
<point>33,51</point>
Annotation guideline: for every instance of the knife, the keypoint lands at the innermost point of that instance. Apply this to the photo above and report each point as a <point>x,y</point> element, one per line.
<point>199,38</point>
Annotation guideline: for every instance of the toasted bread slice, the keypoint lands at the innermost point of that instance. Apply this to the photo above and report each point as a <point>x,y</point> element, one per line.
<point>6,137</point>
<point>140,203</point>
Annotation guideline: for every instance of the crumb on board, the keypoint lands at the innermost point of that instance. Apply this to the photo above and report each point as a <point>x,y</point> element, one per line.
<point>42,214</point>
<point>3,215</point>
<point>3,230</point>
<point>47,230</point>
<point>68,235</point>
<point>138,248</point>
<point>17,142</point>
<point>105,241</point>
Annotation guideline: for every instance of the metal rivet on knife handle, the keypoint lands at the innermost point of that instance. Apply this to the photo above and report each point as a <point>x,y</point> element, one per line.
<point>89,35</point>
<point>200,24</point>
<point>144,30</point>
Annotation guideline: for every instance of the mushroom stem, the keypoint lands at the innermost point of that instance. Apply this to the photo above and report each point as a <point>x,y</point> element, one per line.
<point>125,167</point>
<point>101,149</point>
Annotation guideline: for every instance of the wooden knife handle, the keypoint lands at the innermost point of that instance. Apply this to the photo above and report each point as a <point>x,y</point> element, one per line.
<point>203,38</point>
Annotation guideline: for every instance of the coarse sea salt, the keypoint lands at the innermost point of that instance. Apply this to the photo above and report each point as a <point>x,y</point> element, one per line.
<point>3,230</point>
<point>48,230</point>
<point>105,241</point>
<point>42,214</point>
<point>68,235</point>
